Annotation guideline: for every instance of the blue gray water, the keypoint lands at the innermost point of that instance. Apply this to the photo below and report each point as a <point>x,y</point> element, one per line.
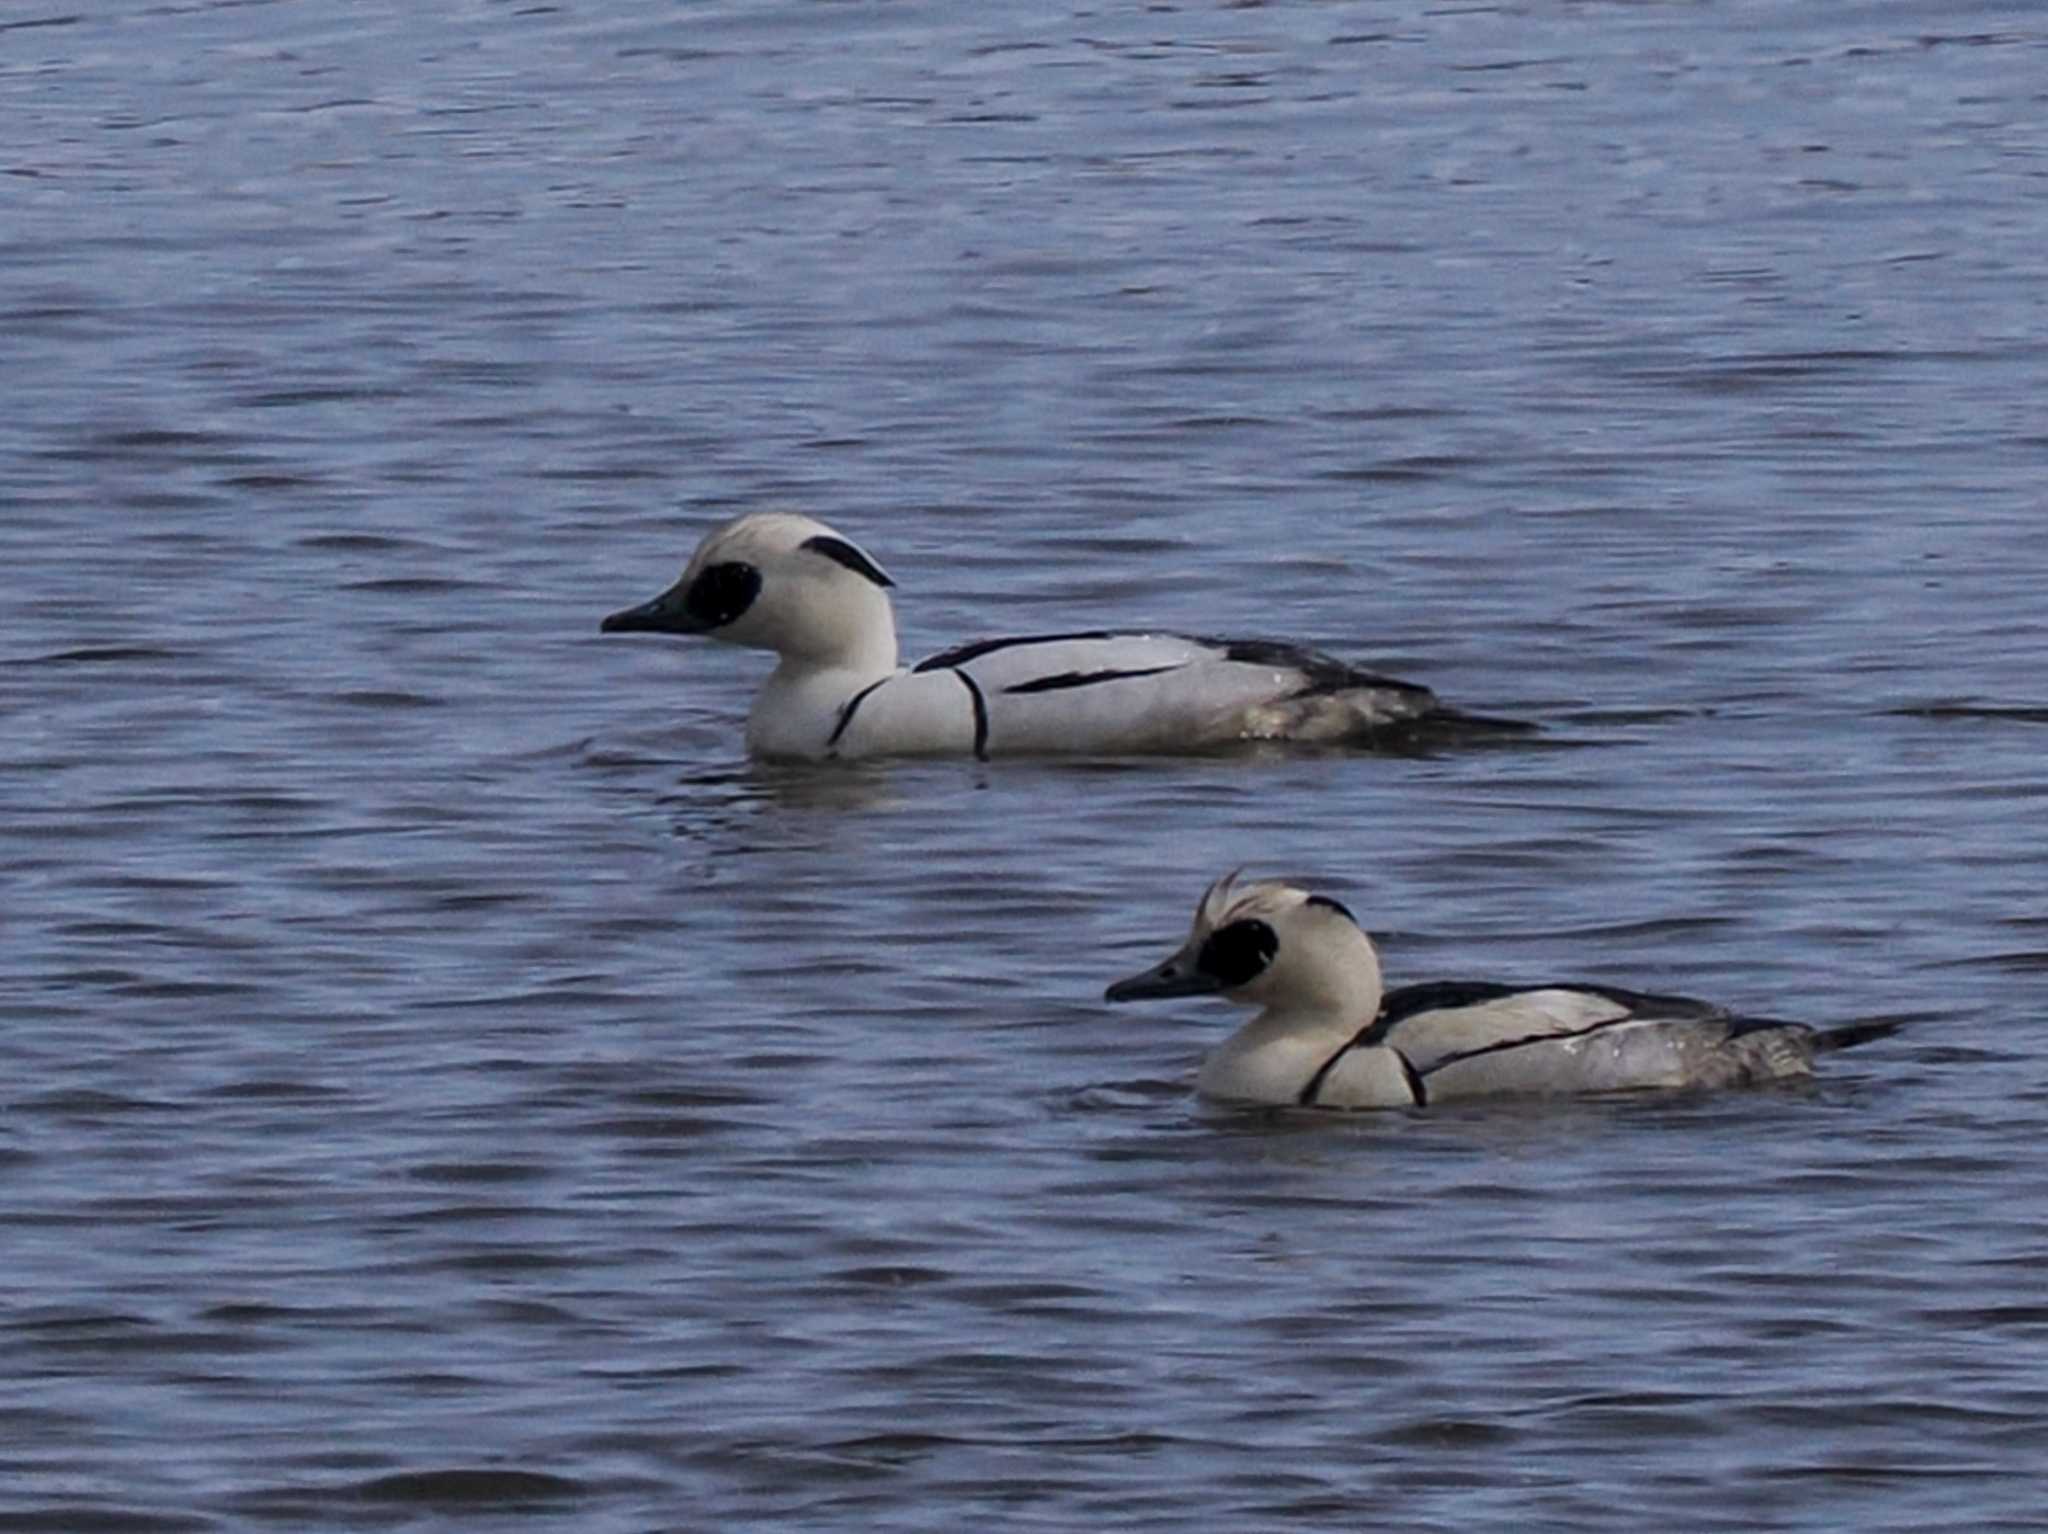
<point>443,1084</point>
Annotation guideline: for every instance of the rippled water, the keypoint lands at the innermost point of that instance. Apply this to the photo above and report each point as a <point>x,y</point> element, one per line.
<point>445,1084</point>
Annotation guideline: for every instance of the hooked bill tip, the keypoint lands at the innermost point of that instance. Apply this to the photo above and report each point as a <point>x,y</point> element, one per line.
<point>655,617</point>
<point>1169,979</point>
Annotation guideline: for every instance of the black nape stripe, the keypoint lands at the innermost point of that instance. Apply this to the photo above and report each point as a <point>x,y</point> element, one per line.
<point>1066,679</point>
<point>840,552</point>
<point>1338,906</point>
<point>960,655</point>
<point>980,703</point>
<point>847,710</point>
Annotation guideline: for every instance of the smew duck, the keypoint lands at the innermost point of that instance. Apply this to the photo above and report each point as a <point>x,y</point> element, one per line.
<point>1329,1035</point>
<point>788,583</point>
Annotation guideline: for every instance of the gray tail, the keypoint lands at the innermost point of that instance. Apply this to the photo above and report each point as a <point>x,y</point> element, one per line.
<point>1439,728</point>
<point>1849,1035</point>
<point>1483,724</point>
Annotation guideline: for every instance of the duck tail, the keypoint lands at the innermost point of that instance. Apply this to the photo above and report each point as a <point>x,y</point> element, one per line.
<point>1849,1035</point>
<point>1438,727</point>
<point>1483,724</point>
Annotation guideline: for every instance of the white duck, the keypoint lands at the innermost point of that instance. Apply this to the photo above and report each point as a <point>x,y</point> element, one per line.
<point>1329,1036</point>
<point>782,582</point>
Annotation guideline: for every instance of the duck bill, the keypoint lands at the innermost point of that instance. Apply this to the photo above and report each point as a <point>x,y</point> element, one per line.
<point>666,614</point>
<point>1176,977</point>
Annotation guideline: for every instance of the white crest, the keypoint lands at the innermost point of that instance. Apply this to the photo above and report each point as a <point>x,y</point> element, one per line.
<point>1226,901</point>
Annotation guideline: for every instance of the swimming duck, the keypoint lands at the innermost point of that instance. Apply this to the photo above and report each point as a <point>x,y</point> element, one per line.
<point>1330,1036</point>
<point>788,583</point>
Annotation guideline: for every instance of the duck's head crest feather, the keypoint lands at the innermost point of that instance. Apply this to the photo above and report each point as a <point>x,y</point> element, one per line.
<point>1227,901</point>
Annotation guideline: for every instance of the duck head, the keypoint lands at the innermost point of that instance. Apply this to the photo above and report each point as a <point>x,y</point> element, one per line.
<point>782,582</point>
<point>1269,945</point>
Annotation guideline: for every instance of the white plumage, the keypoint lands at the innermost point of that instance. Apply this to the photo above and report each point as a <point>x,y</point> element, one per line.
<point>790,584</point>
<point>1329,1035</point>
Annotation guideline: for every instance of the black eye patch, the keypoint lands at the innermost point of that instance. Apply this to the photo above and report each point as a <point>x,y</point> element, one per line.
<point>1234,955</point>
<point>840,552</point>
<point>720,593</point>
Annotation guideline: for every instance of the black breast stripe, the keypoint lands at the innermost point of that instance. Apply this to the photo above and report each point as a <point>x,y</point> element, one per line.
<point>980,703</point>
<point>846,713</point>
<point>1067,679</point>
<point>1314,1087</point>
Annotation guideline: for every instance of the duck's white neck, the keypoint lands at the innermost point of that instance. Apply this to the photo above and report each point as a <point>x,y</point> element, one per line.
<point>851,629</point>
<point>818,671</point>
<point>1317,1003</point>
<point>1277,1054</point>
<point>1336,974</point>
<point>861,648</point>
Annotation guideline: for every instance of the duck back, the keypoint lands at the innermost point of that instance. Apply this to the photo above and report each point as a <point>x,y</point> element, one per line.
<point>1105,692</point>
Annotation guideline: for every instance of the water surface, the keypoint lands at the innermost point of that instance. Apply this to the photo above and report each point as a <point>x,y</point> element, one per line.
<point>445,1084</point>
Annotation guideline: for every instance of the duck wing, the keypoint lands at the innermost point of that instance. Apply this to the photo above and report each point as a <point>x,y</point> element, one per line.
<point>1440,1021</point>
<point>1102,691</point>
